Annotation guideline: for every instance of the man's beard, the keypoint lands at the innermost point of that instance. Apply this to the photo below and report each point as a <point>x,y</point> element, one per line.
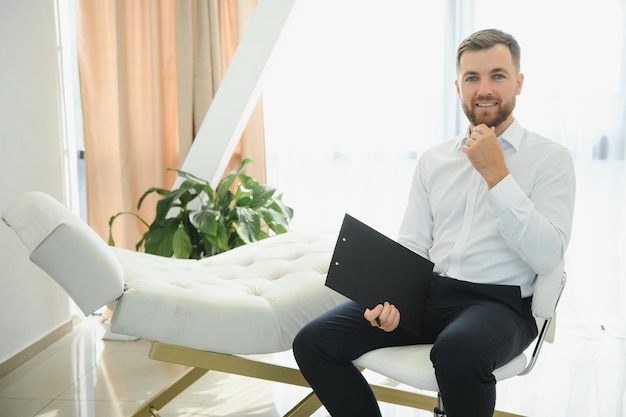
<point>490,120</point>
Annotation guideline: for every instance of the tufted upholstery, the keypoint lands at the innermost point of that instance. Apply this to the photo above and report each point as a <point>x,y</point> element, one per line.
<point>252,299</point>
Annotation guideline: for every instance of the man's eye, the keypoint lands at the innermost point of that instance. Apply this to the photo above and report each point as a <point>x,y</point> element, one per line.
<point>471,79</point>
<point>498,77</point>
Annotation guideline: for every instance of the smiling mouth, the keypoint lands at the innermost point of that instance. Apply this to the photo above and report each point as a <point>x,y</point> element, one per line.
<point>483,105</point>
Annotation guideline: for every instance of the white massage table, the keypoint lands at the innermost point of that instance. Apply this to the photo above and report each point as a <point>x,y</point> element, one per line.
<point>219,312</point>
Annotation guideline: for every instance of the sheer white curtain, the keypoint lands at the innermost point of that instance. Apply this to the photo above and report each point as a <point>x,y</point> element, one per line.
<point>359,88</point>
<point>352,97</point>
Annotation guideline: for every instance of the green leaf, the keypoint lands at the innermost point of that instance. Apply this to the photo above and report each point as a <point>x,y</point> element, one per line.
<point>209,192</point>
<point>223,203</point>
<point>278,205</point>
<point>111,241</point>
<point>277,222</point>
<point>248,224</point>
<point>189,192</point>
<point>228,180</point>
<point>248,181</point>
<point>181,243</point>
<point>165,205</point>
<point>160,237</point>
<point>205,220</point>
<point>160,191</point>
<point>243,197</point>
<point>262,196</point>
<point>218,243</point>
<point>191,178</point>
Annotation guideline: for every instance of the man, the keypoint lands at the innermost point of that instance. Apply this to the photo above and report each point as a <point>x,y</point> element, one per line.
<point>492,209</point>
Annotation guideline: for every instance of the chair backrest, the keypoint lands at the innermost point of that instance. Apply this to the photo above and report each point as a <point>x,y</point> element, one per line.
<point>66,248</point>
<point>548,289</point>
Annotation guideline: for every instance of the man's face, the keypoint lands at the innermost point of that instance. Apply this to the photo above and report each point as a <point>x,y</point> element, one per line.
<point>487,86</point>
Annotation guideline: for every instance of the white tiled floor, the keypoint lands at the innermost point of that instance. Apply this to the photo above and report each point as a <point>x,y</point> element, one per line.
<point>582,374</point>
<point>83,375</point>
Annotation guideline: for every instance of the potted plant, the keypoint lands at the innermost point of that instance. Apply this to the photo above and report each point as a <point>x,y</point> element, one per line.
<point>196,221</point>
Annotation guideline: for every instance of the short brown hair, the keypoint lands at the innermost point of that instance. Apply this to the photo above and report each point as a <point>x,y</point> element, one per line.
<point>485,39</point>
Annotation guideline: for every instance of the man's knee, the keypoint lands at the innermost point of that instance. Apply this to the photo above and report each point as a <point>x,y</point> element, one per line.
<point>461,359</point>
<point>304,341</point>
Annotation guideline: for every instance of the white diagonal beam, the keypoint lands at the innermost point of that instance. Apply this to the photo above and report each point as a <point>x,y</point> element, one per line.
<point>238,92</point>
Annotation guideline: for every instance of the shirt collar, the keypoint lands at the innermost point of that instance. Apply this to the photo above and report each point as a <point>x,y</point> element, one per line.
<point>513,135</point>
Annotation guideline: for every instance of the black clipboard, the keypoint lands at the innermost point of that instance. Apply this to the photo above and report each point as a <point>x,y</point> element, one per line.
<point>371,268</point>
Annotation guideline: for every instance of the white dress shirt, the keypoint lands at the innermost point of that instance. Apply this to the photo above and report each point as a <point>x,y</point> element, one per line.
<point>506,235</point>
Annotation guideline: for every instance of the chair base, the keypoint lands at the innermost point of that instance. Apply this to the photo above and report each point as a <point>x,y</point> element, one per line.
<point>202,361</point>
<point>439,410</point>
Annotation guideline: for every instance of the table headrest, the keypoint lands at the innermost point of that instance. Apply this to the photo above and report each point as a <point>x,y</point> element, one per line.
<point>67,249</point>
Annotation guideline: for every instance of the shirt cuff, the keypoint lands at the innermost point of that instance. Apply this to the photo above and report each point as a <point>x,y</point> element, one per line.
<point>505,195</point>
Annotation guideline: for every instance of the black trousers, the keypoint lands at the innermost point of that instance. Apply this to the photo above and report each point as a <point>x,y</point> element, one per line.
<point>474,328</point>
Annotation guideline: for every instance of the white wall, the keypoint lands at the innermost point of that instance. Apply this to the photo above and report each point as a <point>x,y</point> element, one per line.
<point>31,304</point>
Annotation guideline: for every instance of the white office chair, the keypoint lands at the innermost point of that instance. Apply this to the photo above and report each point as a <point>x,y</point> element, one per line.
<point>411,365</point>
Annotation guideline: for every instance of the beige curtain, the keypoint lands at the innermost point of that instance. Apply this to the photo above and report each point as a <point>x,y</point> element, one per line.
<point>207,33</point>
<point>148,71</point>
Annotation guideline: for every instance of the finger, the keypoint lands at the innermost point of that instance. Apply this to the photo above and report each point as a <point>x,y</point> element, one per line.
<point>384,312</point>
<point>396,318</point>
<point>373,314</point>
<point>392,319</point>
<point>474,135</point>
<point>387,314</point>
<point>390,312</point>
